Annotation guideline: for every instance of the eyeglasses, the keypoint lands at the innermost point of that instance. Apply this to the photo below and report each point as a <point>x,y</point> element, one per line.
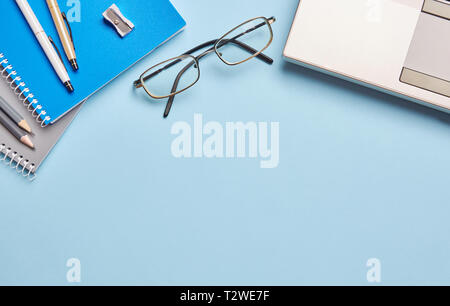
<point>246,41</point>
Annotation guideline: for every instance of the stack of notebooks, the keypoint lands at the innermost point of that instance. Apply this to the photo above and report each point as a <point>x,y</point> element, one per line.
<point>33,88</point>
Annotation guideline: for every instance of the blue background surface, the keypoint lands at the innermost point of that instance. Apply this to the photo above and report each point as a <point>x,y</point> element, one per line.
<point>362,175</point>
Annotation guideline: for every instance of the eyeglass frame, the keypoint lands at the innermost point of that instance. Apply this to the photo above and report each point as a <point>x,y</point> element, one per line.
<point>216,46</point>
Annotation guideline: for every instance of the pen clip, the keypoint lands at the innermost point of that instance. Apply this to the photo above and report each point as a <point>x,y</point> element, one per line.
<point>54,46</point>
<point>70,28</point>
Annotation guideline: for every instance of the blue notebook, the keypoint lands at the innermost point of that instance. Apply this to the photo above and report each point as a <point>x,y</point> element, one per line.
<point>101,53</point>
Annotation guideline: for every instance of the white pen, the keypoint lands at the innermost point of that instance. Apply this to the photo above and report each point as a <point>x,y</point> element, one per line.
<point>45,43</point>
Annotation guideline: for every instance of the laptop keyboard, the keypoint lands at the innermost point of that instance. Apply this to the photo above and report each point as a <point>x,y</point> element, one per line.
<point>424,67</point>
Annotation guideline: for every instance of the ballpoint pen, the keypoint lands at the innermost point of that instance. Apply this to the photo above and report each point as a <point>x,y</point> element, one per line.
<point>45,43</point>
<point>61,25</point>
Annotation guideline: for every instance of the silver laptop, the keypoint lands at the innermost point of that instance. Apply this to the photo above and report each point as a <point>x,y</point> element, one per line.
<point>397,46</point>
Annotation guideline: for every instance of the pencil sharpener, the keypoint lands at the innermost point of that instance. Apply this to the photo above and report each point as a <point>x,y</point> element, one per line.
<point>115,17</point>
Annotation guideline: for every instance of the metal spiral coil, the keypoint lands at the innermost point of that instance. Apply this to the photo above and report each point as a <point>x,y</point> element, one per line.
<point>16,161</point>
<point>8,156</point>
<point>25,96</point>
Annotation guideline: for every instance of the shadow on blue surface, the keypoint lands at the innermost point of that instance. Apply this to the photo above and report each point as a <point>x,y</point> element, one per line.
<point>358,90</point>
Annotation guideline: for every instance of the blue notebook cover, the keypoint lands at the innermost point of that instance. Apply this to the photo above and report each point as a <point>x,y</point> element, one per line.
<point>101,53</point>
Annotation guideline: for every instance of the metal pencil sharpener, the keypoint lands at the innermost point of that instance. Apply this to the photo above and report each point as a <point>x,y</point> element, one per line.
<point>115,17</point>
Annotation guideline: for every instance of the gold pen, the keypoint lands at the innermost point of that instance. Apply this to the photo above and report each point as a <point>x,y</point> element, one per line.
<point>62,24</point>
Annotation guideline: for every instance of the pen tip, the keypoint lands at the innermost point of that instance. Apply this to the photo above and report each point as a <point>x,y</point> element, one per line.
<point>27,141</point>
<point>69,86</point>
<point>74,64</point>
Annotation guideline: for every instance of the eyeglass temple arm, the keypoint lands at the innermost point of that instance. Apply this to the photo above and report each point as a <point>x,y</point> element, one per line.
<point>174,88</point>
<point>246,47</point>
<point>270,20</point>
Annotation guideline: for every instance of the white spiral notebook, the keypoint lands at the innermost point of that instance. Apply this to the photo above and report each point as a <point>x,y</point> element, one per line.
<point>19,95</point>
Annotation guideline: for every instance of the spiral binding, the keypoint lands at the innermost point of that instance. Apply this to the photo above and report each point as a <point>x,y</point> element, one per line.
<point>25,96</point>
<point>7,155</point>
<point>18,162</point>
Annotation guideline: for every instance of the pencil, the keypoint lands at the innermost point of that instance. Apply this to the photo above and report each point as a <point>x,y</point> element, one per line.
<point>14,130</point>
<point>14,115</point>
